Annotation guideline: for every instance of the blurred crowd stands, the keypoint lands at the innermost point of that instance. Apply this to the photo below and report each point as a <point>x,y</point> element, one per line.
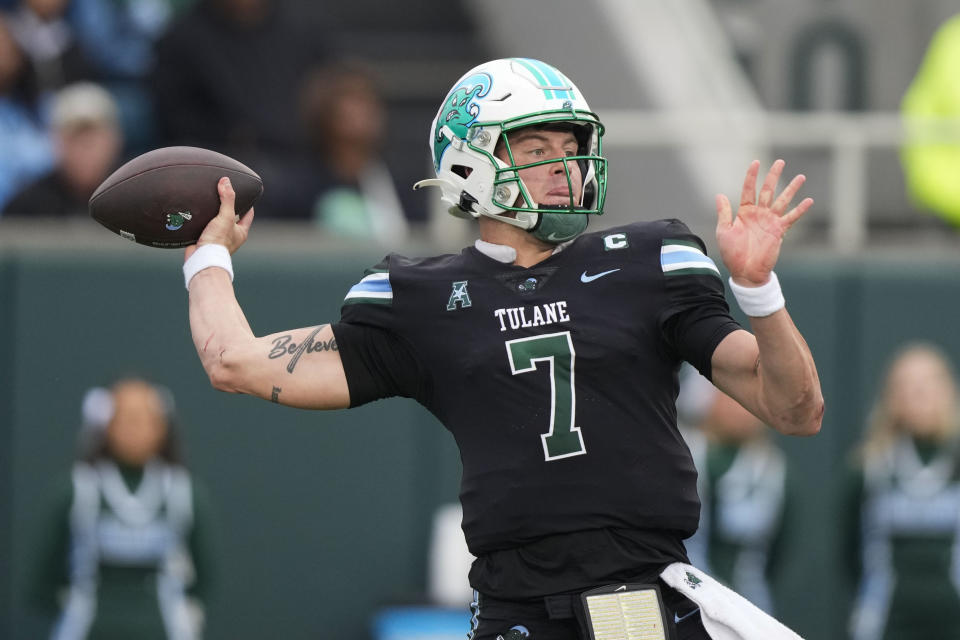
<point>330,101</point>
<point>326,101</point>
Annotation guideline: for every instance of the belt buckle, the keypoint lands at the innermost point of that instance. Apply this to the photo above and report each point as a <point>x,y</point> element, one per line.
<point>625,612</point>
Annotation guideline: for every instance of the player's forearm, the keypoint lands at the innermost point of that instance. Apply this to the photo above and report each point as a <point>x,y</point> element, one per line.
<point>297,368</point>
<point>219,327</point>
<point>788,379</point>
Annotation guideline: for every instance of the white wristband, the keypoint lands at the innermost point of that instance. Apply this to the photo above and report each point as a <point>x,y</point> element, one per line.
<point>209,255</point>
<point>762,301</point>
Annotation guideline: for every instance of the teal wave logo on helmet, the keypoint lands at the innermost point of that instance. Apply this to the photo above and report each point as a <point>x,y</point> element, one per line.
<point>459,111</point>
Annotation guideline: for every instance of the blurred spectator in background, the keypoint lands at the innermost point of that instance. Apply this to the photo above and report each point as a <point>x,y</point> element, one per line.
<point>25,148</point>
<point>228,77</point>
<point>903,505</point>
<point>45,35</point>
<point>351,190</point>
<point>742,482</point>
<point>119,38</point>
<point>88,143</point>
<point>931,165</point>
<point>125,553</point>
<point>119,35</point>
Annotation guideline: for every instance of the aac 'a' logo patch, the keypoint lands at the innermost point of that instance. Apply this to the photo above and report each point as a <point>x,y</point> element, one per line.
<point>693,580</point>
<point>459,296</point>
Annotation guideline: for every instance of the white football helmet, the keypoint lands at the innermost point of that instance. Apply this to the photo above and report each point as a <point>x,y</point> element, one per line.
<point>486,104</point>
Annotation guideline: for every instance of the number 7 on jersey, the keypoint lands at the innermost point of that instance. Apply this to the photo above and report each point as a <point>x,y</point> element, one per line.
<point>556,349</point>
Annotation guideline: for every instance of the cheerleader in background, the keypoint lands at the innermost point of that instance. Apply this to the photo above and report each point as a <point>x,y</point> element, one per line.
<point>125,552</point>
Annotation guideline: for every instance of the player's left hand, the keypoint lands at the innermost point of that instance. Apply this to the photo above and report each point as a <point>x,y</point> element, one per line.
<point>750,243</point>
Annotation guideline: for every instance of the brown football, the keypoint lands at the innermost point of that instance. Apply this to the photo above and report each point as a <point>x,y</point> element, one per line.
<point>165,197</point>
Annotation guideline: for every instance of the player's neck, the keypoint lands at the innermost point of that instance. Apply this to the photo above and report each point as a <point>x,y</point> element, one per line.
<point>530,251</point>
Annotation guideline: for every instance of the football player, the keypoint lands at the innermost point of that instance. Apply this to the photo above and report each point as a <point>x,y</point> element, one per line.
<point>552,355</point>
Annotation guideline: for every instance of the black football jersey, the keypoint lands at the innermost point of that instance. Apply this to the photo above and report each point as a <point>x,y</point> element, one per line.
<point>558,381</point>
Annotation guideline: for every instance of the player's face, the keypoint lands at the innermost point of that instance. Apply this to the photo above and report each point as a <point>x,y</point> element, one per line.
<point>139,425</point>
<point>546,183</point>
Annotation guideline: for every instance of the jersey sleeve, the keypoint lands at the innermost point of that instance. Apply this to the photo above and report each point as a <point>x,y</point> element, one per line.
<point>696,316</point>
<point>378,361</point>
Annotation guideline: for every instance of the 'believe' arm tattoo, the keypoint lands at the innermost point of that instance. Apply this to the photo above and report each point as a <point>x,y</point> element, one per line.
<point>284,345</point>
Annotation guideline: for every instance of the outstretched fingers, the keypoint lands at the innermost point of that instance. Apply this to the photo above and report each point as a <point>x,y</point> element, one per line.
<point>751,204</point>
<point>783,200</point>
<point>769,187</point>
<point>748,195</point>
<point>794,214</point>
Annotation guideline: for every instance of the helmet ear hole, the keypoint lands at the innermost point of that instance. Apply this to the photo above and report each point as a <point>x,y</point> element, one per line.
<point>462,170</point>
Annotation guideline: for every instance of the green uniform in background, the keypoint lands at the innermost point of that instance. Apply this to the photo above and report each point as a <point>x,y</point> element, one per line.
<point>743,490</point>
<point>124,554</point>
<point>904,508</point>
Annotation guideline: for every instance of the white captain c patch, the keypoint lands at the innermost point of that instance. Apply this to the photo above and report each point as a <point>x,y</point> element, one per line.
<point>678,257</point>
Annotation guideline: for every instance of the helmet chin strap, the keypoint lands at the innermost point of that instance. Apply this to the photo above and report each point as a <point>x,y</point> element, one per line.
<point>556,227</point>
<point>548,224</point>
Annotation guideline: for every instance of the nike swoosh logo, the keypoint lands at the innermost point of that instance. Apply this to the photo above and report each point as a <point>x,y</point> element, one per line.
<point>585,278</point>
<point>677,618</point>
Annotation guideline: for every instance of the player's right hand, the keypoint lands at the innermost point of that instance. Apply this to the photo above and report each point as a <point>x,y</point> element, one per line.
<point>224,229</point>
<point>750,243</point>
